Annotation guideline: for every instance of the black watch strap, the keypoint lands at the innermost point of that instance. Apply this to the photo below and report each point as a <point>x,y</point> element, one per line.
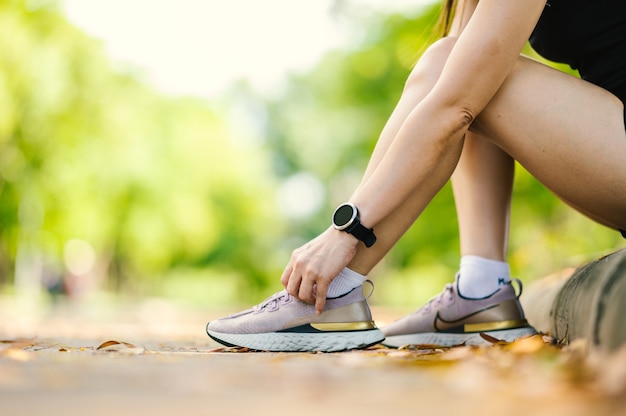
<point>362,233</point>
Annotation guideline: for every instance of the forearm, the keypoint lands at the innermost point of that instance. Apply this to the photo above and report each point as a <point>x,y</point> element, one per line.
<point>417,164</point>
<point>424,151</point>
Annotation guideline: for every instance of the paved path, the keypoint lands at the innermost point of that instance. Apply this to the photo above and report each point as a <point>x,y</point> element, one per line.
<point>162,363</point>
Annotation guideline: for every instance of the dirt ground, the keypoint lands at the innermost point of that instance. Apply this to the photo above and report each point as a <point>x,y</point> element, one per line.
<point>159,361</point>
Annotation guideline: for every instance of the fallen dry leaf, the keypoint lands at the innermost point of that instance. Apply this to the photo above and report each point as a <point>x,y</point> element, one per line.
<point>491,339</point>
<point>120,347</point>
<point>414,347</point>
<point>528,345</point>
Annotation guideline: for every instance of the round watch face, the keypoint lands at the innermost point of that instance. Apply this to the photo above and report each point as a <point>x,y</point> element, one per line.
<point>344,216</point>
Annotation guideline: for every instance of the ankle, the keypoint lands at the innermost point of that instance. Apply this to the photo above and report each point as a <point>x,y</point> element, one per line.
<point>480,277</point>
<point>345,281</point>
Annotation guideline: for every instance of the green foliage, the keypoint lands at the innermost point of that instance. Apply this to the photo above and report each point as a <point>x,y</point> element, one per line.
<point>102,178</point>
<point>89,153</point>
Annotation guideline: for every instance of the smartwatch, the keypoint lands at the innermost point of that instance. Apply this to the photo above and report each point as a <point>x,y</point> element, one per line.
<point>346,218</point>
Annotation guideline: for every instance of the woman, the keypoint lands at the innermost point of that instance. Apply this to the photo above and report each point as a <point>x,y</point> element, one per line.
<point>471,106</point>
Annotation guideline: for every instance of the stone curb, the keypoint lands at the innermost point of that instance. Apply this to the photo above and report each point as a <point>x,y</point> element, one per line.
<point>586,303</point>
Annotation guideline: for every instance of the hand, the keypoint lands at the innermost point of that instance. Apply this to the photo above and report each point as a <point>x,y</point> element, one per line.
<point>314,265</point>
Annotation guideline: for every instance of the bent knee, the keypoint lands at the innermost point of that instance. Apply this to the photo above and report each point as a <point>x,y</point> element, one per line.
<point>430,65</point>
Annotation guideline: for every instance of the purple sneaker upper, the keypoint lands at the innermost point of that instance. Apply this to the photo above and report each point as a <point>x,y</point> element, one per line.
<point>451,312</point>
<point>280,312</point>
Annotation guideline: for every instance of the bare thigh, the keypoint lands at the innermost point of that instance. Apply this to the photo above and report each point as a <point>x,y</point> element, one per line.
<point>566,132</point>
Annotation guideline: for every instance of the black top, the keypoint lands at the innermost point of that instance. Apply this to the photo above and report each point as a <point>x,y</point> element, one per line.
<point>590,36</point>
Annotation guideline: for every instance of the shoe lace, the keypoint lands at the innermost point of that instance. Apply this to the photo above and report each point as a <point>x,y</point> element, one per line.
<point>274,302</point>
<point>446,296</point>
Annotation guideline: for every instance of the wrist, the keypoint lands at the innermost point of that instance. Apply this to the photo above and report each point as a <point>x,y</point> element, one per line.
<point>346,219</point>
<point>343,237</point>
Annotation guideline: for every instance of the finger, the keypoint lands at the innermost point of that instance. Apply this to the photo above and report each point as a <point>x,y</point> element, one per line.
<point>306,290</point>
<point>293,286</point>
<point>321,288</point>
<point>284,278</point>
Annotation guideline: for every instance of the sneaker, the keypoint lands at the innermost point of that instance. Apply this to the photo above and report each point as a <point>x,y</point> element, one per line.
<point>449,319</point>
<point>283,323</point>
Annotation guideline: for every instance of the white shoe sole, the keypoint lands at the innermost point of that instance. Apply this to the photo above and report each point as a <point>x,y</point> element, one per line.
<point>300,342</point>
<point>444,339</point>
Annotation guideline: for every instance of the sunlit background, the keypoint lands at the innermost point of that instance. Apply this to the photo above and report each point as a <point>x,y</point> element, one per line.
<point>181,149</point>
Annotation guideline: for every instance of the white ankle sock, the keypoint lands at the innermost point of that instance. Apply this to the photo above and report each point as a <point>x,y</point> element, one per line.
<point>345,281</point>
<point>480,277</point>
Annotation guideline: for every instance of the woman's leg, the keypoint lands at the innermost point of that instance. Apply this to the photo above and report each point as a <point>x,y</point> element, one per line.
<point>570,135</point>
<point>566,132</point>
<point>482,185</point>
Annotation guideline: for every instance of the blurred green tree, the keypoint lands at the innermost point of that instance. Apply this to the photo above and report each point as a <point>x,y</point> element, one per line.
<point>89,153</point>
<point>104,179</point>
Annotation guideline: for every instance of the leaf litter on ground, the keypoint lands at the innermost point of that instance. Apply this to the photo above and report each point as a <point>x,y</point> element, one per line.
<point>533,363</point>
